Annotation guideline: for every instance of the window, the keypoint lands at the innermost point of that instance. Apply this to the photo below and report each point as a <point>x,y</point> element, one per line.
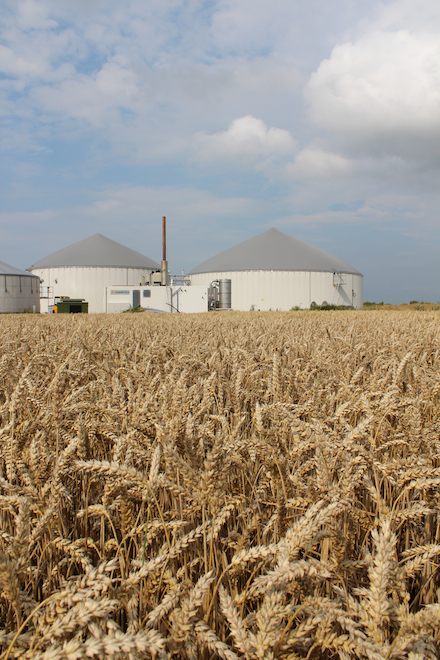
<point>146,293</point>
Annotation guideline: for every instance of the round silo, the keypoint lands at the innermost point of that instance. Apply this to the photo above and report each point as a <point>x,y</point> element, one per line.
<point>85,269</point>
<point>277,271</point>
<point>19,290</point>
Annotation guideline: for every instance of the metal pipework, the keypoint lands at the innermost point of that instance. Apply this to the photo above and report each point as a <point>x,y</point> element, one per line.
<point>220,294</point>
<point>164,238</point>
<point>164,264</point>
<point>213,295</point>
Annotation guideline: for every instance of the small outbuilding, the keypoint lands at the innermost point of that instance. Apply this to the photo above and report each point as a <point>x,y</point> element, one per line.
<point>70,306</point>
<point>84,270</point>
<point>277,271</point>
<point>19,290</point>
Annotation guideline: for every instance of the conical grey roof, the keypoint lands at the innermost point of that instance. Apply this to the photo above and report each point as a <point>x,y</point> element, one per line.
<point>274,250</point>
<point>96,251</point>
<point>6,269</point>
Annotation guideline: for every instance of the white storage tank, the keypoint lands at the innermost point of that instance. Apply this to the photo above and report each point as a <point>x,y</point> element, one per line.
<point>19,290</point>
<point>277,271</point>
<point>85,269</point>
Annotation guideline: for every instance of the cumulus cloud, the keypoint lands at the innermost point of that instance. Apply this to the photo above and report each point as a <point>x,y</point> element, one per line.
<point>147,76</point>
<point>421,16</point>
<point>91,97</point>
<point>315,162</point>
<point>33,14</point>
<point>14,64</point>
<point>381,94</point>
<point>246,141</point>
<point>143,92</point>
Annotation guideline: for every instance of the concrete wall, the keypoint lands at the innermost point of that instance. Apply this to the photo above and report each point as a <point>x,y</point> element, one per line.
<point>88,283</point>
<point>264,290</point>
<point>19,293</point>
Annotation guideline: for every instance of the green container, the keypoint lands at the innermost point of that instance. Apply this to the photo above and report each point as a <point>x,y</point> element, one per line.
<point>72,306</point>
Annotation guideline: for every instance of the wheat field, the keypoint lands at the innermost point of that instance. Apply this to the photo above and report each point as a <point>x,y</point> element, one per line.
<point>261,485</point>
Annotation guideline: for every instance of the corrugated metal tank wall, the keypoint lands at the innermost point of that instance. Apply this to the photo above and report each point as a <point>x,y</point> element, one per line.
<point>19,293</point>
<point>87,282</point>
<point>283,290</point>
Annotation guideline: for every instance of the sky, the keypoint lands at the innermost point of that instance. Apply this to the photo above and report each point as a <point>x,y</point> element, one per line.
<point>229,117</point>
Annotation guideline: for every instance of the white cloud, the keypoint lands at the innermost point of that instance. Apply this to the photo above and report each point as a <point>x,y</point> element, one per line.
<point>314,162</point>
<point>248,25</point>
<point>246,141</point>
<point>181,203</point>
<point>93,97</point>
<point>14,64</point>
<point>381,94</point>
<point>33,14</point>
<point>156,60</point>
<point>420,16</point>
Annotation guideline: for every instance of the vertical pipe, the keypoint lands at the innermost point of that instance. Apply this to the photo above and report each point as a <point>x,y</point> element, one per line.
<point>164,238</point>
<point>164,264</point>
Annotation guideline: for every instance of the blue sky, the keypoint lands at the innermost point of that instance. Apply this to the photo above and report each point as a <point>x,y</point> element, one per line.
<point>229,117</point>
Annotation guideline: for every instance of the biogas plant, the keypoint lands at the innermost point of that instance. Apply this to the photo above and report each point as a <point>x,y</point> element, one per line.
<point>271,271</point>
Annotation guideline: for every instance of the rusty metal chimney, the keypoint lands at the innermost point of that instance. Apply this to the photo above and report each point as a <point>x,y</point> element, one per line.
<point>164,264</point>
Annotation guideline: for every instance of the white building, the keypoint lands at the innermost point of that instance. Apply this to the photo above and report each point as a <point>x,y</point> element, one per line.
<point>276,271</point>
<point>85,269</point>
<point>171,299</point>
<point>19,291</point>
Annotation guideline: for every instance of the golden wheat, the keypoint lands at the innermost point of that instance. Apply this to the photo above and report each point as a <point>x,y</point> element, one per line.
<point>249,486</point>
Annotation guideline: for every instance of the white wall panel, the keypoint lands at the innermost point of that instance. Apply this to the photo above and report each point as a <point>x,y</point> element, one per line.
<point>262,290</point>
<point>169,299</point>
<point>88,283</point>
<point>284,290</point>
<point>19,293</point>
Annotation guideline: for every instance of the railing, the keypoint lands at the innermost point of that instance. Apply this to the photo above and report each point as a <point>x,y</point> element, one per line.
<point>339,279</point>
<point>46,292</point>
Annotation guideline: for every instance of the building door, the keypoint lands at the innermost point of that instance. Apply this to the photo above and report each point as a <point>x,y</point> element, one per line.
<point>136,298</point>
